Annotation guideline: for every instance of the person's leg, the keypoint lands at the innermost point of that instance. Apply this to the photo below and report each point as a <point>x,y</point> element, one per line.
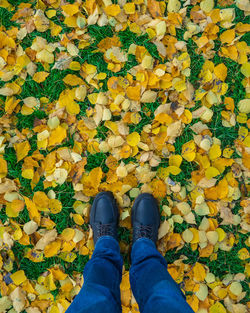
<point>154,289</point>
<point>102,274</point>
<point>102,277</point>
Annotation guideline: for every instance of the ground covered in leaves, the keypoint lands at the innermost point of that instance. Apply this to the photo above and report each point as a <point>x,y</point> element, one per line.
<point>127,96</point>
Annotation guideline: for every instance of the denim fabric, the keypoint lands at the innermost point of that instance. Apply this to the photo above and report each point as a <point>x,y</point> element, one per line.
<point>153,287</point>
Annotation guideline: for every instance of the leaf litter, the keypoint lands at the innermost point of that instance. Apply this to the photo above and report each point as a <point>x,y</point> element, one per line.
<point>130,97</point>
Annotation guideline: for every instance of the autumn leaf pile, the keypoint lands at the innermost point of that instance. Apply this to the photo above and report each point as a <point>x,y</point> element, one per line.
<point>127,96</point>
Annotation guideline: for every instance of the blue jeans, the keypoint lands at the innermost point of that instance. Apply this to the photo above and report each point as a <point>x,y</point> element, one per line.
<point>154,289</point>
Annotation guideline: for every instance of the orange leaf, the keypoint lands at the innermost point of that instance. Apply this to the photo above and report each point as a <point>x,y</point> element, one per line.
<point>22,149</point>
<point>154,8</point>
<point>134,92</point>
<point>227,36</point>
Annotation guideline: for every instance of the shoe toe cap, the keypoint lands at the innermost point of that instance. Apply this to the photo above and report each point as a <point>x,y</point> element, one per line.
<point>104,210</point>
<point>146,210</point>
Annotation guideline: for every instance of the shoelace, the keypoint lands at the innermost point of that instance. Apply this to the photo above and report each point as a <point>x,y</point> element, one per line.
<point>105,230</point>
<point>143,231</point>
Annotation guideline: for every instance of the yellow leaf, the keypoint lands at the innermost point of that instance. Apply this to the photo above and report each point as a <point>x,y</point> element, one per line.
<point>45,56</point>
<point>147,62</point>
<point>227,36</point>
<point>175,160</point>
<point>101,76</point>
<point>5,4</point>
<point>221,234</point>
<point>217,308</point>
<point>173,6</point>
<point>133,93</point>
<point>32,209</point>
<point>58,274</point>
<point>95,177</point>
<point>125,285</point>
<point>245,69</point>
<point>207,5</point>
<point>57,136</point>
<point>244,106</point>
<point>121,171</point>
<point>220,71</point>
<point>149,96</point>
<point>214,152</point>
<point>55,206</point>
<point>84,250</point>
<point>72,107</point>
<point>54,309</point>
<point>164,118</point>
<point>112,10</point>
<point>70,9</point>
<point>211,172</point>
<point>51,13</point>
<point>129,8</point>
<point>174,170</point>
<point>68,234</point>
<point>27,173</point>
<point>187,235</point>
<point>3,167</point>
<point>41,22</point>
<point>18,277</point>
<point>10,104</point>
<point>67,256</point>
<point>241,118</point>
<point>78,219</point>
<point>199,94</point>
<point>93,147</point>
<point>189,156</point>
<point>80,93</point>
<point>71,21</point>
<point>73,80</point>
<point>22,149</point>
<point>188,152</point>
<point>52,249</point>
<point>236,288</point>
<point>75,66</point>
<point>55,29</point>
<point>49,283</point>
<point>196,237</point>
<point>227,152</point>
<point>13,208</point>
<point>68,246</point>
<point>39,77</point>
<point>133,139</point>
<point>154,8</point>
<point>243,254</point>
<point>199,272</point>
<point>202,293</point>
<point>212,237</point>
<point>163,229</point>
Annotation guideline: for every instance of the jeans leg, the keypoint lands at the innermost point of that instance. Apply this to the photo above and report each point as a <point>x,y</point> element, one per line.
<point>154,289</point>
<point>102,277</point>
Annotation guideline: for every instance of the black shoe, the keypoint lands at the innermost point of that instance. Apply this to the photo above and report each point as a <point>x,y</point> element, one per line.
<point>104,216</point>
<point>145,217</point>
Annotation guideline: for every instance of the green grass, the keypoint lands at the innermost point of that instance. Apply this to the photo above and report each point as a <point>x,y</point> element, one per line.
<point>5,17</point>
<point>96,160</point>
<point>50,88</point>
